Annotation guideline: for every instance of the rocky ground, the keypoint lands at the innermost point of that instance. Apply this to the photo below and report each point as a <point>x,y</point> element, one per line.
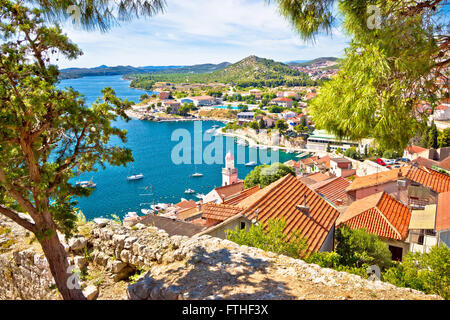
<point>145,263</point>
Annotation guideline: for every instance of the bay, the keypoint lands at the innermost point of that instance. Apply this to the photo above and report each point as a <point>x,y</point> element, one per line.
<point>152,145</point>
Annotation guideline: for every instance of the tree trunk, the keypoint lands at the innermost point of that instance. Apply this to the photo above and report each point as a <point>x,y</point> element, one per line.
<point>57,259</point>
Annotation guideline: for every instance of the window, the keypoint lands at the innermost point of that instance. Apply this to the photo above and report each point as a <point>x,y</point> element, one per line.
<point>243,225</point>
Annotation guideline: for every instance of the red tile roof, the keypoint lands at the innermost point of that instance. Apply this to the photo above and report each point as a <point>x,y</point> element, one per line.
<point>436,181</point>
<point>443,211</point>
<point>415,149</point>
<point>280,200</point>
<point>186,204</point>
<point>428,163</point>
<point>379,214</point>
<point>333,190</point>
<point>282,100</point>
<point>219,212</point>
<point>377,179</point>
<point>235,199</point>
<point>445,164</point>
<point>229,190</point>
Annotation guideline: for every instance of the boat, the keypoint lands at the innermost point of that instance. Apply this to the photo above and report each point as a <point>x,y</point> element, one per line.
<point>147,211</point>
<point>189,191</point>
<point>275,148</point>
<point>210,131</point>
<point>263,148</point>
<point>135,177</point>
<point>215,126</point>
<point>251,164</point>
<point>241,142</point>
<point>197,174</point>
<point>86,184</point>
<point>159,206</point>
<point>200,195</point>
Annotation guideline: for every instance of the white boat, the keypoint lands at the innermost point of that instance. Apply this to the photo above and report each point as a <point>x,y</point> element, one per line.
<point>200,195</point>
<point>251,164</point>
<point>86,184</point>
<point>189,191</point>
<point>147,211</point>
<point>216,133</point>
<point>159,206</point>
<point>197,174</point>
<point>241,142</point>
<point>210,131</point>
<point>275,148</point>
<point>135,177</point>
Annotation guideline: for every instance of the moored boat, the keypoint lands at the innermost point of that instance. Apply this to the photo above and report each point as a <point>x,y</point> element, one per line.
<point>135,177</point>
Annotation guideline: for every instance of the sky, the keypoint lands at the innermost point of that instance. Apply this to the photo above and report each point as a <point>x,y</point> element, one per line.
<point>201,31</point>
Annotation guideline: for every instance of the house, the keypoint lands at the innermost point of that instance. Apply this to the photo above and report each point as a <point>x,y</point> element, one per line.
<point>415,187</point>
<point>413,152</point>
<point>286,114</point>
<point>173,105</point>
<point>310,95</point>
<point>442,112</point>
<point>315,164</point>
<point>163,95</point>
<point>382,215</point>
<point>444,165</point>
<point>303,210</point>
<point>256,92</point>
<point>341,167</point>
<point>443,219</point>
<point>268,121</point>
<point>314,178</point>
<point>238,221</point>
<point>422,234</point>
<point>220,194</point>
<point>203,101</point>
<point>333,190</point>
<point>322,140</point>
<point>217,213</point>
<point>283,102</point>
<point>424,162</point>
<point>245,117</point>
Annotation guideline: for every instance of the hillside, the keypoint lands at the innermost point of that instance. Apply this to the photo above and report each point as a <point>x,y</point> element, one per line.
<point>315,61</point>
<point>251,71</point>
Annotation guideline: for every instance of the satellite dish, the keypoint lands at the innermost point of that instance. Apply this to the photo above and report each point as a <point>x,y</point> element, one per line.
<point>374,272</point>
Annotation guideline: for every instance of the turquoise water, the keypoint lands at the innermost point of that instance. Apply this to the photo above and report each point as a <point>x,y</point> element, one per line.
<point>152,147</point>
<point>226,107</point>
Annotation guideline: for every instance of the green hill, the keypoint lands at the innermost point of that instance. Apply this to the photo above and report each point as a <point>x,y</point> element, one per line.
<point>249,72</point>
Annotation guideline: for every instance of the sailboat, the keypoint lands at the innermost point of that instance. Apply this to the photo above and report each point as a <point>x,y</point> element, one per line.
<point>189,191</point>
<point>251,164</point>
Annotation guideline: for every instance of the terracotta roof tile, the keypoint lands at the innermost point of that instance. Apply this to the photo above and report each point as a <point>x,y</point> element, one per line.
<point>219,212</point>
<point>415,149</point>
<point>229,190</point>
<point>443,212</point>
<point>436,181</point>
<point>280,200</point>
<point>186,204</point>
<point>235,199</point>
<point>333,190</point>
<point>379,214</point>
<point>445,164</point>
<point>376,179</point>
<point>428,163</point>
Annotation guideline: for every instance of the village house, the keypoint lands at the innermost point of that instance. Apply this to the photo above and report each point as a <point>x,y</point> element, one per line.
<point>201,101</point>
<point>164,95</point>
<point>333,190</point>
<point>415,187</point>
<point>173,105</point>
<point>315,164</point>
<point>287,114</point>
<point>382,215</point>
<point>245,117</point>
<point>256,92</point>
<point>282,102</point>
<point>442,111</point>
<point>412,152</point>
<point>341,167</point>
<point>302,209</point>
<point>220,194</point>
<point>268,122</point>
<point>322,140</point>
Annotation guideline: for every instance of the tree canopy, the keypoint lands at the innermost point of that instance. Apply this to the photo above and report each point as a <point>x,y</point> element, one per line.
<point>264,175</point>
<point>397,52</point>
<point>48,135</point>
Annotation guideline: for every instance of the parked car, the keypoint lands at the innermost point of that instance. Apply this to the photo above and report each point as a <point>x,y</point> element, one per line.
<point>405,160</point>
<point>380,162</point>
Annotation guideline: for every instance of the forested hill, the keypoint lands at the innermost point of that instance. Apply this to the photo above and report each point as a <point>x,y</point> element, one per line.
<point>315,61</point>
<point>120,70</point>
<point>251,71</point>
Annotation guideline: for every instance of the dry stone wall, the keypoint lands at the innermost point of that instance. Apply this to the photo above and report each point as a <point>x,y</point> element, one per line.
<point>180,267</point>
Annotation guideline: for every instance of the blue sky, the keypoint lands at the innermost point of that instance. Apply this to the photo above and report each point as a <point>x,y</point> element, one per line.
<point>201,31</point>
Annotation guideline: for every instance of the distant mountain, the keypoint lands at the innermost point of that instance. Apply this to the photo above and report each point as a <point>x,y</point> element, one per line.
<point>251,71</point>
<point>311,62</point>
<point>103,70</point>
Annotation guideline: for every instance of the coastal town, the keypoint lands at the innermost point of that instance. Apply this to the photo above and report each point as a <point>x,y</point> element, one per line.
<point>225,150</point>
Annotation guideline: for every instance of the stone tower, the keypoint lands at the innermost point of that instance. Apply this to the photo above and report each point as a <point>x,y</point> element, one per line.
<point>229,173</point>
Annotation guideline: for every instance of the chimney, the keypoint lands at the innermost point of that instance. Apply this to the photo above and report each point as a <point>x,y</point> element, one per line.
<point>400,174</point>
<point>303,208</point>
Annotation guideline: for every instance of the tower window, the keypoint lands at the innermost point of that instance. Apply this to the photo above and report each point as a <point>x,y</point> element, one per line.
<point>243,225</point>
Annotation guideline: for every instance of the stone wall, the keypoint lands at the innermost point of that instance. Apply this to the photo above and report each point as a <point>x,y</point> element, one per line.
<point>180,267</point>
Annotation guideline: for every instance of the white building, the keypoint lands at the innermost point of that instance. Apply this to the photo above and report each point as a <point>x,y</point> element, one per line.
<point>203,101</point>
<point>229,173</point>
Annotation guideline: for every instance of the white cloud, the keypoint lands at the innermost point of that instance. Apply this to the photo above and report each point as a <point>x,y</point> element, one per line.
<point>201,31</point>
